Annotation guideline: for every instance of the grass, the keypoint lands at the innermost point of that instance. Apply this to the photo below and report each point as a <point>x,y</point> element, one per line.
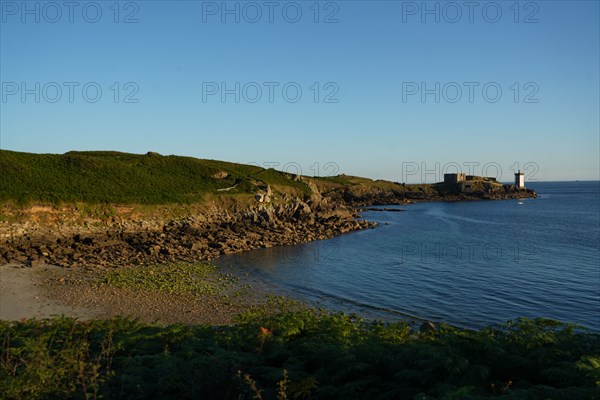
<point>296,355</point>
<point>199,281</point>
<point>122,178</point>
<point>184,279</point>
<point>108,177</point>
<point>359,183</point>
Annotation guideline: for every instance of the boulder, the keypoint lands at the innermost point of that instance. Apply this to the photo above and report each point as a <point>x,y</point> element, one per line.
<point>427,326</point>
<point>220,175</point>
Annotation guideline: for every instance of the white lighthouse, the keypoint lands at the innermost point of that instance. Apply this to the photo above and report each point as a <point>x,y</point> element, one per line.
<point>519,180</point>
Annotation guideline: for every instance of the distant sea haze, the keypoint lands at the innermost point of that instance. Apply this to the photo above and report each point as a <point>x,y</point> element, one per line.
<point>469,264</point>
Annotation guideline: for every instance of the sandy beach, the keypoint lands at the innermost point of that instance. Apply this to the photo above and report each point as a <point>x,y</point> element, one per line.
<point>46,291</point>
<point>21,295</point>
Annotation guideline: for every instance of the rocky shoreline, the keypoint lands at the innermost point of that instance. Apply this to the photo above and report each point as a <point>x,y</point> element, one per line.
<point>128,241</point>
<point>72,249</point>
<point>361,197</point>
<point>123,242</point>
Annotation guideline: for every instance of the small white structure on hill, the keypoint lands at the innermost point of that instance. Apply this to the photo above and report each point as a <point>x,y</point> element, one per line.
<point>519,180</point>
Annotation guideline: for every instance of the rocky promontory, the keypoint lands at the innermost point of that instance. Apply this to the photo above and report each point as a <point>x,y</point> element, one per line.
<point>110,209</point>
<point>381,193</point>
<point>61,236</point>
<point>129,240</point>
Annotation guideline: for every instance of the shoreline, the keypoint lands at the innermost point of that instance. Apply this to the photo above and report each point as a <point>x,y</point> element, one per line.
<point>63,257</point>
<point>50,291</point>
<point>135,240</point>
<point>66,238</point>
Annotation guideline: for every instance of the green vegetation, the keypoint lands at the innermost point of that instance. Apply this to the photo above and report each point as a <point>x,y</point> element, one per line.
<point>113,177</point>
<point>298,355</point>
<point>199,281</point>
<point>356,183</point>
<point>193,279</point>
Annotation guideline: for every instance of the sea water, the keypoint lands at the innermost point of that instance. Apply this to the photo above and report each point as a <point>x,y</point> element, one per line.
<point>470,264</point>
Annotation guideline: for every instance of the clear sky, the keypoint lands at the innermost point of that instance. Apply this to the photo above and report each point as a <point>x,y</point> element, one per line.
<point>389,89</point>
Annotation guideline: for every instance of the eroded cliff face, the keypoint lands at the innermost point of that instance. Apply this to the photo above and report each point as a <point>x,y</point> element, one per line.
<point>66,237</point>
<point>112,236</point>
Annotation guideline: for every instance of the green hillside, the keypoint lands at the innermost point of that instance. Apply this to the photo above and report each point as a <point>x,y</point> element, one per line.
<point>113,177</point>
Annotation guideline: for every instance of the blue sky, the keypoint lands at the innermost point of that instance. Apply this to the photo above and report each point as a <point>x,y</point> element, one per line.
<point>362,69</point>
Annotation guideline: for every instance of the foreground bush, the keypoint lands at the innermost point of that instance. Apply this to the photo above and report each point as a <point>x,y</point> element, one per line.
<point>296,356</point>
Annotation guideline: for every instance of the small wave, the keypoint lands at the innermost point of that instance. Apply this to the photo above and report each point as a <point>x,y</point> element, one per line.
<point>316,293</point>
<point>443,215</point>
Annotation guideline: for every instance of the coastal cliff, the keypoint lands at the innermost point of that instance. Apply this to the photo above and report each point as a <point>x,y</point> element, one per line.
<point>106,209</point>
<point>131,239</point>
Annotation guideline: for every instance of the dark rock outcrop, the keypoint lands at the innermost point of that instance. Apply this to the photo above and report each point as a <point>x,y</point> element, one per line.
<point>283,220</point>
<point>193,238</point>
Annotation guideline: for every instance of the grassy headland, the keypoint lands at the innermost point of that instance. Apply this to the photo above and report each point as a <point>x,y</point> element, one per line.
<point>122,178</point>
<point>83,208</point>
<point>110,177</point>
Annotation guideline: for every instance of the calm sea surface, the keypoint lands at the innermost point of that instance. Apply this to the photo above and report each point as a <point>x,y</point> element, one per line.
<point>470,264</point>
